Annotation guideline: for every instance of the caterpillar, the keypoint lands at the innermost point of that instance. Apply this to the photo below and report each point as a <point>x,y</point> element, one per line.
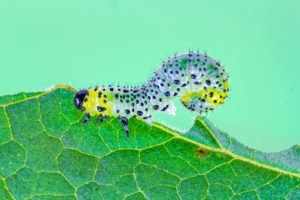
<point>198,80</point>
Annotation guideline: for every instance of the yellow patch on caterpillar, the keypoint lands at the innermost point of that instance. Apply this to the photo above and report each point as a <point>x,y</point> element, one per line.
<point>214,96</point>
<point>96,104</point>
<point>188,96</point>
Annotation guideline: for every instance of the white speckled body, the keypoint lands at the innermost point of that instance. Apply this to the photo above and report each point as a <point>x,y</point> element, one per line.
<point>198,80</point>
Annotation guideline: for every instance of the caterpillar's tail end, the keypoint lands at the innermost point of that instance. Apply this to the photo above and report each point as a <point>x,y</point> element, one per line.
<point>205,100</point>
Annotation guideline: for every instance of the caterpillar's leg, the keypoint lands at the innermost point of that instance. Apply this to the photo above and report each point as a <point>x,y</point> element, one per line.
<point>124,122</point>
<point>102,118</point>
<point>87,117</point>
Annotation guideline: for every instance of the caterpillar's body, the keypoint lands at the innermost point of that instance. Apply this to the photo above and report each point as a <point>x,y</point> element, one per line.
<point>197,79</point>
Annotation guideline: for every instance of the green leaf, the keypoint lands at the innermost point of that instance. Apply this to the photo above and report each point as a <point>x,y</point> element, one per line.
<point>46,153</point>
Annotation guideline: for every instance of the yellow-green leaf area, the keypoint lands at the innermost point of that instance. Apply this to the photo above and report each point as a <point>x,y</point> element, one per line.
<point>46,153</point>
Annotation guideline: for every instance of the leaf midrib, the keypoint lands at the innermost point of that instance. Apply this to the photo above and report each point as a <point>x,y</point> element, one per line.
<point>225,151</point>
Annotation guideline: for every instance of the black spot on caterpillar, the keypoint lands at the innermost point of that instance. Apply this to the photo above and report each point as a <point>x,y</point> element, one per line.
<point>198,80</point>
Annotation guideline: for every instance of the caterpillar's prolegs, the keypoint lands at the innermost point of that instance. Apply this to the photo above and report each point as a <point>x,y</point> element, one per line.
<point>124,123</point>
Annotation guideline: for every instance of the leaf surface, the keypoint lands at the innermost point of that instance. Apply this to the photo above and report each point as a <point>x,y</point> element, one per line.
<point>45,153</point>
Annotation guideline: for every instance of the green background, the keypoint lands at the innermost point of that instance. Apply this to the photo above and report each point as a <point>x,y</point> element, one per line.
<point>85,43</point>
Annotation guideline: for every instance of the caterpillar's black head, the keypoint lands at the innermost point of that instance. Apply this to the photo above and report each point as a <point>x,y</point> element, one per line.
<point>79,98</point>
